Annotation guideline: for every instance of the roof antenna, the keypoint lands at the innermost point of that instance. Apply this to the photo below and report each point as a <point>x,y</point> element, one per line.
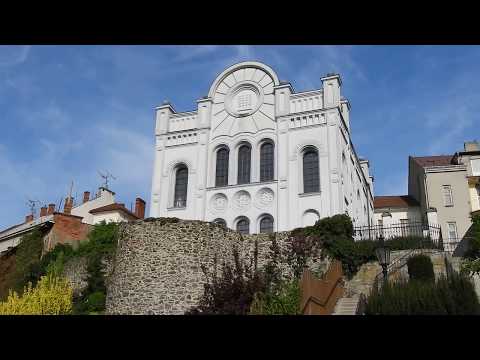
<point>105,177</point>
<point>32,205</point>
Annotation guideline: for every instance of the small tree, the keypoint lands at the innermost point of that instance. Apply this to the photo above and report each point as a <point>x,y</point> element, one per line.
<point>51,296</point>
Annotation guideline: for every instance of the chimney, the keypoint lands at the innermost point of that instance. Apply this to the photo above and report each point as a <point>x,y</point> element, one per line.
<point>29,218</point>
<point>86,196</point>
<point>43,211</point>
<point>140,208</point>
<point>67,209</point>
<point>51,209</point>
<point>471,146</point>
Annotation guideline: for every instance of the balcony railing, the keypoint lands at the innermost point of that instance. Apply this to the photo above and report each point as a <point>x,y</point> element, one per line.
<point>424,234</point>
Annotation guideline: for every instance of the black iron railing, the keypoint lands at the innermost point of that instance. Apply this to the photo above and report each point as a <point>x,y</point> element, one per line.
<point>418,230</point>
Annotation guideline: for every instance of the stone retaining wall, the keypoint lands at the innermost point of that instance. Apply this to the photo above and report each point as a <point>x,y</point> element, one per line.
<point>157,266</point>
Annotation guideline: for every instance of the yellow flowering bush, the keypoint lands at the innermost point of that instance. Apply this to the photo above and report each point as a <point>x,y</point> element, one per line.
<point>51,296</point>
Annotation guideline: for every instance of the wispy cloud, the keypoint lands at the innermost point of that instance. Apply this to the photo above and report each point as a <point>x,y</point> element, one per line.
<point>191,52</point>
<point>13,55</point>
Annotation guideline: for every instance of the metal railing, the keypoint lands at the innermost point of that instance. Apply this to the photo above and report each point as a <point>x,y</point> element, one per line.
<point>399,230</point>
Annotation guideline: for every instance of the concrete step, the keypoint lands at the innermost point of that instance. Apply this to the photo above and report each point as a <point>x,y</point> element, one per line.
<point>346,306</point>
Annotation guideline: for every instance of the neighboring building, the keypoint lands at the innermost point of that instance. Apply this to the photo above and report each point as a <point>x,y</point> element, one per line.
<point>394,216</point>
<point>470,157</point>
<point>71,225</point>
<point>118,213</point>
<point>257,157</point>
<point>439,184</point>
<point>396,210</point>
<point>56,227</point>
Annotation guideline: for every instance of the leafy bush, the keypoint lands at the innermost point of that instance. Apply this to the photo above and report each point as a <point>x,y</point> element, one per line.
<point>335,235</point>
<point>28,256</point>
<point>470,267</point>
<point>51,296</point>
<point>411,242</point>
<point>101,245</point>
<point>243,289</point>
<point>233,291</point>
<point>420,267</point>
<point>285,300</point>
<point>300,249</point>
<point>454,295</point>
<point>101,240</point>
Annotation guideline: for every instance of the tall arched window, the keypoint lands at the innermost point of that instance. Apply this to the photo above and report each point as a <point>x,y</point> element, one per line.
<point>221,174</point>
<point>220,222</point>
<point>266,224</point>
<point>244,164</point>
<point>181,184</point>
<point>311,177</point>
<point>266,162</point>
<point>243,226</point>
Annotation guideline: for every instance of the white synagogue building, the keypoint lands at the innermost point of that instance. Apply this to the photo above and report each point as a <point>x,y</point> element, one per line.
<point>258,157</point>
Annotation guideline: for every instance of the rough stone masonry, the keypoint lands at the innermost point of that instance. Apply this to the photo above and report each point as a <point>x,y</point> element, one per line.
<point>157,266</point>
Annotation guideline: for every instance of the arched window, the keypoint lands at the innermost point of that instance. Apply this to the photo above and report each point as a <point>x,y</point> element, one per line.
<point>244,164</point>
<point>311,177</point>
<point>221,174</point>
<point>220,222</point>
<point>266,162</point>
<point>243,226</point>
<point>181,184</point>
<point>266,224</point>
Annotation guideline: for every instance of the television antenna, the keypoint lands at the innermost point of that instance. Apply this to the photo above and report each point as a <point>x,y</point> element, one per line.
<point>106,177</point>
<point>32,204</point>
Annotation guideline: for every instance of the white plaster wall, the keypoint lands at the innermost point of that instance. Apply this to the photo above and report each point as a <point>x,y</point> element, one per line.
<point>12,242</point>
<point>412,214</point>
<point>110,216</point>
<point>105,198</point>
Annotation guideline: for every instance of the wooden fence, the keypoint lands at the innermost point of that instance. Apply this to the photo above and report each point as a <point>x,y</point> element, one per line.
<point>319,296</point>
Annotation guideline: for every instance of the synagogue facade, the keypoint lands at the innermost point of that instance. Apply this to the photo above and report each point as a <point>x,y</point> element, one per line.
<point>258,157</point>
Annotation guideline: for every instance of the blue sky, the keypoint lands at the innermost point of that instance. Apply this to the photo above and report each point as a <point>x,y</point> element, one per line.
<point>68,111</point>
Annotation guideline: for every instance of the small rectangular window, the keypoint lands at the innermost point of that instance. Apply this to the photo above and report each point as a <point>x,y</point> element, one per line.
<point>447,195</point>
<point>452,231</point>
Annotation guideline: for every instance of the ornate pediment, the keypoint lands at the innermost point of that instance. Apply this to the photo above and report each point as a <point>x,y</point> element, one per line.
<point>243,100</point>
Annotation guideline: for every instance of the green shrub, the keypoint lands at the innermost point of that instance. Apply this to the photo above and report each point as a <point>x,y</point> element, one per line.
<point>410,242</point>
<point>232,292</point>
<point>420,267</point>
<point>27,259</point>
<point>101,245</point>
<point>283,301</point>
<point>448,296</point>
<point>470,267</point>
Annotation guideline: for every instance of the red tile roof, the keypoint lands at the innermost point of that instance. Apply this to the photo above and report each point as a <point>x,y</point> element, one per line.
<point>440,160</point>
<point>400,201</point>
<point>113,207</point>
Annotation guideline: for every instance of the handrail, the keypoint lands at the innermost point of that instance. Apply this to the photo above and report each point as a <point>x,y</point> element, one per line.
<point>331,285</point>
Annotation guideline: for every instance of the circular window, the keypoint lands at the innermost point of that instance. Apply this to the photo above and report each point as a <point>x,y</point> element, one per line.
<point>243,99</point>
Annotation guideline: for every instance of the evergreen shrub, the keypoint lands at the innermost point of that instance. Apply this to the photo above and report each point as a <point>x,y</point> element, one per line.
<point>420,267</point>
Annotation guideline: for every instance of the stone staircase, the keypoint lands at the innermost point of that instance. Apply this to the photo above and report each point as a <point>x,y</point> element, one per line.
<point>362,282</point>
<point>347,306</point>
